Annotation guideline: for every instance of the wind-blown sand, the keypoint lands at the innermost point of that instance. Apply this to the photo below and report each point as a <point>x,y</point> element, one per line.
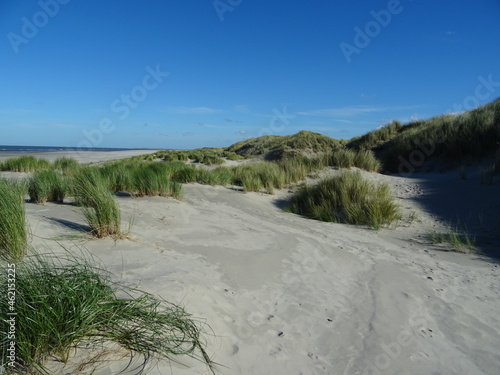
<point>288,295</point>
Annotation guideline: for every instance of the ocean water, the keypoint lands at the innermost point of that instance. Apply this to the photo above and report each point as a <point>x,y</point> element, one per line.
<point>24,149</point>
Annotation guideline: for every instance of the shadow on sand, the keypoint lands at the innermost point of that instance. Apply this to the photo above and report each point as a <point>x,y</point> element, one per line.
<point>465,205</point>
<point>70,224</point>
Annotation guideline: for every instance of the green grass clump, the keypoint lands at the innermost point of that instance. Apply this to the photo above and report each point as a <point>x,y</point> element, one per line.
<point>341,158</point>
<point>24,164</point>
<point>143,178</point>
<point>257,176</point>
<point>211,160</point>
<point>219,176</point>
<point>207,155</point>
<point>47,186</point>
<point>99,206</point>
<point>347,158</point>
<point>251,182</point>
<point>222,176</point>
<point>230,155</point>
<point>296,169</point>
<point>66,165</point>
<point>375,137</point>
<point>274,147</point>
<point>13,235</point>
<point>186,175</point>
<point>474,133</point>
<point>62,304</point>
<point>366,160</point>
<point>457,239</point>
<point>119,175</point>
<point>347,198</point>
<point>149,181</point>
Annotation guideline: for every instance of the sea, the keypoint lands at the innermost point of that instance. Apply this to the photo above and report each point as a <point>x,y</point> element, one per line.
<point>26,149</point>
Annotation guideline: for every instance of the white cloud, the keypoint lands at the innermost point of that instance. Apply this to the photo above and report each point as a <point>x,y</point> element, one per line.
<point>340,111</point>
<point>352,111</point>
<point>243,108</point>
<point>17,111</point>
<point>181,110</point>
<point>65,126</point>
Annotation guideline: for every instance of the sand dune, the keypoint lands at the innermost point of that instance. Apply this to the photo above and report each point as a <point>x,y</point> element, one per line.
<point>288,295</point>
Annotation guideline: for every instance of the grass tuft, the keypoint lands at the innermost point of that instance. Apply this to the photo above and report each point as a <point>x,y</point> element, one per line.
<point>68,302</point>
<point>346,198</point>
<point>66,165</point>
<point>47,186</point>
<point>99,206</point>
<point>13,235</point>
<point>275,147</point>
<point>24,164</point>
<point>458,240</point>
<point>473,133</point>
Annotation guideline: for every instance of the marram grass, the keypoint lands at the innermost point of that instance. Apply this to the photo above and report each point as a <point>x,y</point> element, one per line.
<point>99,206</point>
<point>68,302</point>
<point>347,198</point>
<point>24,164</point>
<point>66,165</point>
<point>13,234</point>
<point>47,186</point>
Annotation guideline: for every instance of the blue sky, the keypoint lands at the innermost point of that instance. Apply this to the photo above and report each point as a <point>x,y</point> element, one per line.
<point>186,74</point>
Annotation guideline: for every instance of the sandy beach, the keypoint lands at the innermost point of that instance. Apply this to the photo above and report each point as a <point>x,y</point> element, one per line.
<point>81,156</point>
<point>286,295</point>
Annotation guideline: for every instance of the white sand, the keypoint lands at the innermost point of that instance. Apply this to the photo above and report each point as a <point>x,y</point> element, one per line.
<point>288,295</point>
<point>81,156</point>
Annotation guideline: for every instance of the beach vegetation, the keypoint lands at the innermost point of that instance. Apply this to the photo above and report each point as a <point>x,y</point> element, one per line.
<point>376,137</point>
<point>260,175</point>
<point>457,239</point>
<point>346,198</point>
<point>451,137</point>
<point>218,176</point>
<point>13,232</point>
<point>274,147</point>
<point>187,174</point>
<point>99,206</point>
<point>66,165</point>
<point>150,181</point>
<point>24,164</point>
<point>48,186</point>
<point>65,302</point>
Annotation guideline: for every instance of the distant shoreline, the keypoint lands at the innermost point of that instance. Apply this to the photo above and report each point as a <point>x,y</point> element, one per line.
<point>82,156</point>
<point>29,149</point>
